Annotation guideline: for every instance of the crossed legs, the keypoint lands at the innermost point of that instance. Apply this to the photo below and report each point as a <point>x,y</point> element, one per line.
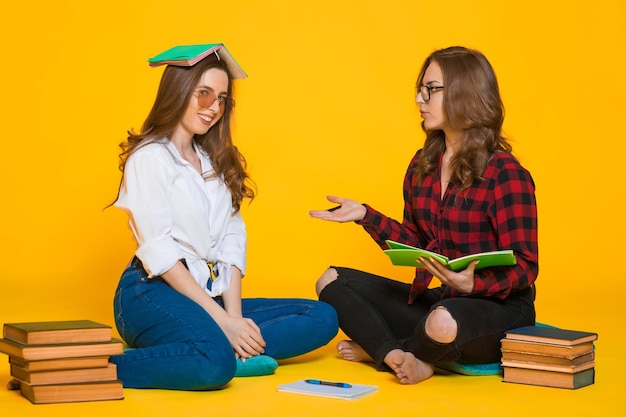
<point>439,326</point>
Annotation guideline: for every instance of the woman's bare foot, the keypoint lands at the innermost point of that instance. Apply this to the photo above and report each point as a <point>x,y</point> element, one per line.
<point>407,367</point>
<point>352,351</point>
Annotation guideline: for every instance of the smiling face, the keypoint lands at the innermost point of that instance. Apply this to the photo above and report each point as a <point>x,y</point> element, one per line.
<point>206,105</point>
<point>433,111</point>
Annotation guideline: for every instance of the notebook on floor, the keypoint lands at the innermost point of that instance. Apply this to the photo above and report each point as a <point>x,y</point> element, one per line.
<point>341,390</point>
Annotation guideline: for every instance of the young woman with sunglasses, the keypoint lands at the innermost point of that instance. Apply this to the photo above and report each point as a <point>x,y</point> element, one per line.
<point>178,305</point>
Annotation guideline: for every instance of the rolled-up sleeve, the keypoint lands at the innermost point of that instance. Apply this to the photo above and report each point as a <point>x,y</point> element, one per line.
<point>145,198</point>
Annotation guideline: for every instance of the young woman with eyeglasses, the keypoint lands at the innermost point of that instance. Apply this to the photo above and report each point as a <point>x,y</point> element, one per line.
<point>178,305</point>
<point>464,193</point>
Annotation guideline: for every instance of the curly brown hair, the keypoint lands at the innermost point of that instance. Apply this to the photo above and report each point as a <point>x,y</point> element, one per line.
<point>173,96</point>
<point>473,106</point>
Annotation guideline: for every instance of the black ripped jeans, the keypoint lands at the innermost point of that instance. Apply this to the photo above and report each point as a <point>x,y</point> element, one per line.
<point>374,312</point>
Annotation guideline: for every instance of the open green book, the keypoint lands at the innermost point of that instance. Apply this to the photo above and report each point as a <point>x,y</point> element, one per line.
<point>405,255</point>
<point>189,55</point>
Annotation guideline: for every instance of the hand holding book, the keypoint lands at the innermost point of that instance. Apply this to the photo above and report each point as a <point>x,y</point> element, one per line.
<point>405,255</point>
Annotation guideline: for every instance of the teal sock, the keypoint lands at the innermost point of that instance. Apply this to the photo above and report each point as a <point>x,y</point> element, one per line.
<point>256,366</point>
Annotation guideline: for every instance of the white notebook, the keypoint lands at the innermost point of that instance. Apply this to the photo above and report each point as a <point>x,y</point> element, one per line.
<point>323,390</point>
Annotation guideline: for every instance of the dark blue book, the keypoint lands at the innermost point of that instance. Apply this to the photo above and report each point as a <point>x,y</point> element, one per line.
<point>551,335</point>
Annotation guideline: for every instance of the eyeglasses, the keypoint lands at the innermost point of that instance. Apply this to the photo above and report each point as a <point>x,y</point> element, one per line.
<point>206,98</point>
<point>427,90</point>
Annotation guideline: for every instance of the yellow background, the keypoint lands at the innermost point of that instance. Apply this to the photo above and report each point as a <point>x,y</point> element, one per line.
<point>328,109</point>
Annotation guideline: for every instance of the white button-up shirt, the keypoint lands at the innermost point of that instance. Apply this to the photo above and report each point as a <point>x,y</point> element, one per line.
<point>175,214</point>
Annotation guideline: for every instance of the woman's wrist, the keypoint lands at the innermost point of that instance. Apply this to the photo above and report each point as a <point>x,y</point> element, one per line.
<point>364,211</point>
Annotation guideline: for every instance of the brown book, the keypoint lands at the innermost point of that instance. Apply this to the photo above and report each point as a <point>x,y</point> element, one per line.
<point>570,369</point>
<point>546,348</point>
<point>549,378</point>
<point>59,364</point>
<point>550,335</point>
<point>66,393</point>
<point>547,359</point>
<point>75,350</point>
<point>65,376</point>
<point>52,332</point>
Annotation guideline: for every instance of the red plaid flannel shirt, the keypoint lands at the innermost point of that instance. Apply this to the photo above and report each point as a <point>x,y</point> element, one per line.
<point>497,212</point>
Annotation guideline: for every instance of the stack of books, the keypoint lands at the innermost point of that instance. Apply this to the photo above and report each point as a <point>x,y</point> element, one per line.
<point>549,356</point>
<point>62,361</point>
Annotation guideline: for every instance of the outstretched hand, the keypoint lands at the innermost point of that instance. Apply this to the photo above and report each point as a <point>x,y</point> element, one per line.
<point>462,281</point>
<point>345,211</point>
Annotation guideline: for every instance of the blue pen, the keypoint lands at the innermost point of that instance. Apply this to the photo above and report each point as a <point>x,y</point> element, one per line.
<point>329,383</point>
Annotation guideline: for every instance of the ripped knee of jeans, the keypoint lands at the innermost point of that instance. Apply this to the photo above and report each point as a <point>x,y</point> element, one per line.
<point>327,277</point>
<point>440,326</point>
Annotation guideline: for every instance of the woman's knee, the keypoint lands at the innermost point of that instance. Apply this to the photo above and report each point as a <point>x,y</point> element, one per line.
<point>329,322</point>
<point>327,277</point>
<point>209,372</point>
<point>441,326</point>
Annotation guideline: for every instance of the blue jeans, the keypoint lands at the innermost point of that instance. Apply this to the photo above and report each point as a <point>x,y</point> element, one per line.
<point>177,345</point>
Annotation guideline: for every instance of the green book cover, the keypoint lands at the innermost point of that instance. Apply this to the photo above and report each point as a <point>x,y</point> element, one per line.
<point>184,52</point>
<point>405,255</point>
<point>188,55</point>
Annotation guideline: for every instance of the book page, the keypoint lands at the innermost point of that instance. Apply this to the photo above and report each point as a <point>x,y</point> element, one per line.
<point>487,259</point>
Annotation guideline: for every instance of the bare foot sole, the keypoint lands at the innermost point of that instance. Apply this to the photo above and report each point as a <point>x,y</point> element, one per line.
<point>352,351</point>
<point>408,369</point>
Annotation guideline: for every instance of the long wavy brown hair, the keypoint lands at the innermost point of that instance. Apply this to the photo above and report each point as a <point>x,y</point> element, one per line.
<point>173,97</point>
<point>472,105</point>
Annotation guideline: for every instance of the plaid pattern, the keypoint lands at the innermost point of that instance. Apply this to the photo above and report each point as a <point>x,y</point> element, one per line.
<point>497,212</point>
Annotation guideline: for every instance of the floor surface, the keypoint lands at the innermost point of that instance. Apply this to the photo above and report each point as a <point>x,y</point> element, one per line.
<point>441,395</point>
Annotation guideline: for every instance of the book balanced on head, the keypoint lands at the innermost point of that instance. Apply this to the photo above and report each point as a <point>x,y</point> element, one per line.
<point>189,55</point>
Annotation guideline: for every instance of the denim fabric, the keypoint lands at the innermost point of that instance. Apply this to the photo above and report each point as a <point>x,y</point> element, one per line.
<point>375,313</point>
<point>177,345</point>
